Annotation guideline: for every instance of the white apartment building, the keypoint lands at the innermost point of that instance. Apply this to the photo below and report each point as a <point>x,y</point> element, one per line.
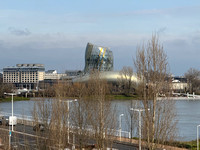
<point>53,75</point>
<point>24,75</point>
<point>179,84</point>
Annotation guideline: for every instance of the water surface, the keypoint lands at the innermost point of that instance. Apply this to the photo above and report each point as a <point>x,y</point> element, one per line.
<point>188,114</point>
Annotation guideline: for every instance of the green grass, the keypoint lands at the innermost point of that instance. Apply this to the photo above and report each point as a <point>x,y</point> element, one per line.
<point>122,97</point>
<point>112,97</point>
<point>15,98</point>
<point>189,145</point>
<point>192,145</point>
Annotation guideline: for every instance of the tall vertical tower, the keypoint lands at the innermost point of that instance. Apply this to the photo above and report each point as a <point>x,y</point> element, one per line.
<point>98,58</point>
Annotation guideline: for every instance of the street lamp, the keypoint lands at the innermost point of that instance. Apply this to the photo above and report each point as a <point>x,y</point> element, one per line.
<point>69,101</point>
<point>198,137</point>
<point>139,111</point>
<point>12,94</point>
<point>120,125</point>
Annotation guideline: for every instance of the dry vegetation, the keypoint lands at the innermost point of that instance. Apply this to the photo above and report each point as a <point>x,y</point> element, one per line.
<point>151,65</point>
<point>92,119</point>
<point>89,120</point>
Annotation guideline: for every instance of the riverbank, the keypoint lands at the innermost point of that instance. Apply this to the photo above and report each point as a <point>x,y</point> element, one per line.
<point>122,97</point>
<point>188,145</point>
<point>15,98</point>
<point>179,98</point>
<point>108,97</point>
<point>135,97</point>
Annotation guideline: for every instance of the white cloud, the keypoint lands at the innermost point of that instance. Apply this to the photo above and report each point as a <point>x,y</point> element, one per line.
<point>19,32</point>
<point>60,40</point>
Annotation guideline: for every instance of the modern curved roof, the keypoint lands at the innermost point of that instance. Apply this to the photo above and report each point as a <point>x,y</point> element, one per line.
<point>109,76</point>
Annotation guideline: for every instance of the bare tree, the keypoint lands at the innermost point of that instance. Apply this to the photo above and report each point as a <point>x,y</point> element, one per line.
<point>102,114</point>
<point>41,115</point>
<point>56,115</point>
<point>80,116</point>
<point>43,110</point>
<point>152,69</point>
<point>131,117</point>
<point>126,80</point>
<point>193,77</point>
<point>5,87</point>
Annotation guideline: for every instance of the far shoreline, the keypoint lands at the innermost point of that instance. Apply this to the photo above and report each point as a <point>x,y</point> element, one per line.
<point>108,97</point>
<point>179,98</point>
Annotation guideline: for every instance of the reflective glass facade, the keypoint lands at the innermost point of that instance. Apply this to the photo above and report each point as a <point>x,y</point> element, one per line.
<point>98,58</point>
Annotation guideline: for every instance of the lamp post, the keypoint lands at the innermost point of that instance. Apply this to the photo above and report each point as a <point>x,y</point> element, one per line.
<point>12,94</point>
<point>120,125</point>
<point>10,133</point>
<point>198,137</point>
<point>69,101</point>
<point>139,111</point>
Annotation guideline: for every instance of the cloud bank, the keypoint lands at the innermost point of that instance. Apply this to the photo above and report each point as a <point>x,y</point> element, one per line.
<point>62,51</point>
<point>19,32</point>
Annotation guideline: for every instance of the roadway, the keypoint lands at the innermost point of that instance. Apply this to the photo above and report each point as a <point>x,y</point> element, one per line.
<point>25,138</point>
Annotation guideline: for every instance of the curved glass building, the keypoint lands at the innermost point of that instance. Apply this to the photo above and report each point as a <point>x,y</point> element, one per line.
<point>98,58</point>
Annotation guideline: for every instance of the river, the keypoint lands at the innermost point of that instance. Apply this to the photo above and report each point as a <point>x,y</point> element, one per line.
<point>188,114</point>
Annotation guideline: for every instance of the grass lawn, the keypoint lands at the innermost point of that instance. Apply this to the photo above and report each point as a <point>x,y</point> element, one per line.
<point>188,145</point>
<point>122,97</point>
<point>15,98</point>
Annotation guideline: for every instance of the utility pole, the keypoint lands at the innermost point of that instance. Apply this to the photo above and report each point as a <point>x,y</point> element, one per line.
<point>140,131</point>
<point>120,125</point>
<point>198,137</point>
<point>10,133</point>
<point>68,102</point>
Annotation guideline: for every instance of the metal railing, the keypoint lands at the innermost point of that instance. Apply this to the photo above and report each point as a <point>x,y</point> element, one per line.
<point>29,120</point>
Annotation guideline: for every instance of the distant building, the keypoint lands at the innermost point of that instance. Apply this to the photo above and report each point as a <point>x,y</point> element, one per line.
<point>53,75</point>
<point>179,84</point>
<point>24,75</point>
<point>101,59</point>
<point>98,58</point>
<point>1,77</point>
<point>51,72</point>
<point>51,78</point>
<point>71,74</point>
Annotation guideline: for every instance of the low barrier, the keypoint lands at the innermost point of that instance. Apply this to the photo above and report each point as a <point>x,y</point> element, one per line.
<point>21,119</point>
<point>29,120</point>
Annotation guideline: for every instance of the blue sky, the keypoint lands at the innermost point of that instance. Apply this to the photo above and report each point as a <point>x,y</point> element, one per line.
<point>56,33</point>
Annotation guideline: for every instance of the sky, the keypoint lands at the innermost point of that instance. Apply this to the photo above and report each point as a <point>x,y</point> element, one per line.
<point>56,32</point>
